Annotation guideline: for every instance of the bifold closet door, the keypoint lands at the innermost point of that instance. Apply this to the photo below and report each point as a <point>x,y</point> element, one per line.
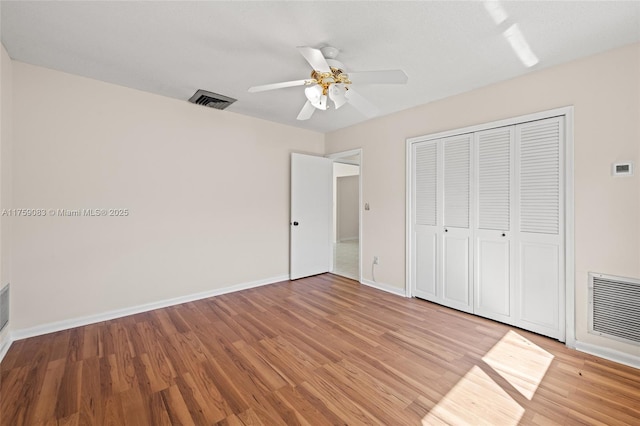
<point>441,218</point>
<point>425,218</point>
<point>457,291</point>
<point>488,223</point>
<point>540,238</point>
<point>494,178</point>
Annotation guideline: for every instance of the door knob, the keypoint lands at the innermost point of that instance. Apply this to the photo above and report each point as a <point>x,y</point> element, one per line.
<point>295,223</point>
<point>446,230</point>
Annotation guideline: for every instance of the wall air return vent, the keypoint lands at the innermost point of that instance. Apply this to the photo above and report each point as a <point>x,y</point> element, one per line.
<point>210,99</point>
<point>614,307</point>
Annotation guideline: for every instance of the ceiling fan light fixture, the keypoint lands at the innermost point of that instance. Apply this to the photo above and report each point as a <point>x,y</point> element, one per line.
<point>316,96</point>
<point>323,103</point>
<point>329,81</point>
<point>337,93</point>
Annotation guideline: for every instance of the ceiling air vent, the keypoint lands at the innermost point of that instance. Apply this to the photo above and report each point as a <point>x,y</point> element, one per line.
<point>210,99</point>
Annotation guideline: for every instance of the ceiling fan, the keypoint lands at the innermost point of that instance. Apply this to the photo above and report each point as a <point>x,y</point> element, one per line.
<point>330,81</point>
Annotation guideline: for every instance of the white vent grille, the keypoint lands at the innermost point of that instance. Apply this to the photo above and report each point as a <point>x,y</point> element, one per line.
<point>614,307</point>
<point>426,183</point>
<point>4,306</point>
<point>457,159</point>
<point>210,99</point>
<point>494,176</point>
<point>540,177</point>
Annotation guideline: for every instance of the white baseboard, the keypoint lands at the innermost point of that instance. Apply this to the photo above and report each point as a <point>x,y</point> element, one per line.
<point>610,354</point>
<point>118,313</point>
<point>5,344</point>
<point>384,287</point>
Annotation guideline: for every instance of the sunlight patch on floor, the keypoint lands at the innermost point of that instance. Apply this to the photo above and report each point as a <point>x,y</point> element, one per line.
<point>520,362</point>
<point>475,400</point>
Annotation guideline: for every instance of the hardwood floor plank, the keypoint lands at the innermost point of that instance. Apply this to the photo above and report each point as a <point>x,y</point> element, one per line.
<point>323,350</point>
<point>92,343</point>
<point>69,390</point>
<point>112,409</point>
<point>185,352</point>
<point>306,408</point>
<point>26,389</point>
<point>226,385</point>
<point>379,400</point>
<point>261,366</point>
<point>90,412</point>
<point>155,358</point>
<point>176,406</point>
<point>250,418</point>
<point>157,411</point>
<point>151,375</point>
<point>164,321</point>
<point>13,384</point>
<point>336,401</point>
<point>134,408</point>
<point>203,398</point>
<point>292,363</point>
<point>232,420</point>
<point>180,325</point>
<point>46,405</point>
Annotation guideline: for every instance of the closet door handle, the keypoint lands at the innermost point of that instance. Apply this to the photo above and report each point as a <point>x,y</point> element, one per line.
<point>504,235</point>
<point>446,230</point>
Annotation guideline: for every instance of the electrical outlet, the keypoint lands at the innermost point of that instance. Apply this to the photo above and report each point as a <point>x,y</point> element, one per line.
<point>375,260</point>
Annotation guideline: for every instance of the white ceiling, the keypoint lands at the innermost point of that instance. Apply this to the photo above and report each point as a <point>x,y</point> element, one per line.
<point>175,48</point>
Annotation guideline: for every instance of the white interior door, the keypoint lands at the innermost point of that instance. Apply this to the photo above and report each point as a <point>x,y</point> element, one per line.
<point>425,219</point>
<point>540,267</point>
<point>457,290</point>
<point>311,214</point>
<point>494,273</point>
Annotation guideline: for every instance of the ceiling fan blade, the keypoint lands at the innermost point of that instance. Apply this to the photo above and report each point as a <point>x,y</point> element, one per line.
<point>306,112</point>
<point>379,77</point>
<point>274,86</point>
<point>361,103</point>
<point>315,58</point>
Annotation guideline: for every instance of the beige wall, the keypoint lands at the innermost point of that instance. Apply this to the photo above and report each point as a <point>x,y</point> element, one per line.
<point>207,192</point>
<point>347,207</point>
<point>340,170</point>
<point>5,179</point>
<point>605,91</point>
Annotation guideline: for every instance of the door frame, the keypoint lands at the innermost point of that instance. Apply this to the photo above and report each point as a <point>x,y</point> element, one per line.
<point>567,309</point>
<point>336,157</point>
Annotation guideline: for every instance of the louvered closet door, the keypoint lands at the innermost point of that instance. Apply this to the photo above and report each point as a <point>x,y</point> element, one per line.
<point>456,290</point>
<point>425,217</point>
<point>540,227</point>
<point>493,272</point>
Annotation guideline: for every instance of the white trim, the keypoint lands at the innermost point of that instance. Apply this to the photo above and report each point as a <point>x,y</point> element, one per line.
<point>557,112</point>
<point>335,156</point>
<point>118,313</point>
<point>569,232</point>
<point>341,154</point>
<point>408,241</point>
<point>384,287</point>
<point>4,348</point>
<point>610,354</point>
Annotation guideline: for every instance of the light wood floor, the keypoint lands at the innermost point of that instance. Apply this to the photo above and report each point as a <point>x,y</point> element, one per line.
<point>321,350</point>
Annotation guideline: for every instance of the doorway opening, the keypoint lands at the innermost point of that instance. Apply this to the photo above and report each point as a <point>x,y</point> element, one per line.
<point>346,214</point>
